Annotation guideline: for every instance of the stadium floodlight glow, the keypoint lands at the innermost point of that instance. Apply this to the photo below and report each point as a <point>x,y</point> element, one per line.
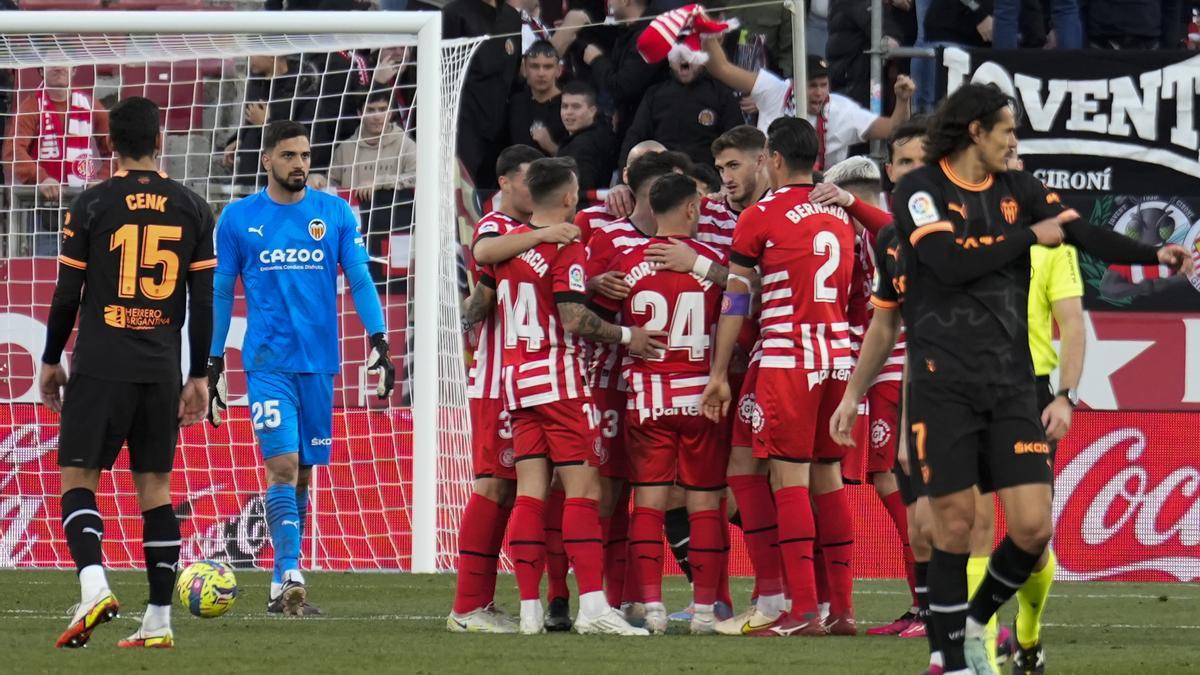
<point>440,473</point>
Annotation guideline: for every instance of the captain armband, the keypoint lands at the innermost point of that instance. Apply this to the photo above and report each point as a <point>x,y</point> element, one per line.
<point>735,304</point>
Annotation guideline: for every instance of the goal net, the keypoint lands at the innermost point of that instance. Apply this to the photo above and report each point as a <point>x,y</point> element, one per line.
<point>400,473</point>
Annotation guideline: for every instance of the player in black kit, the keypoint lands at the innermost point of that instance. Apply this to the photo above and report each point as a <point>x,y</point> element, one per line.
<point>139,247</point>
<point>966,225</point>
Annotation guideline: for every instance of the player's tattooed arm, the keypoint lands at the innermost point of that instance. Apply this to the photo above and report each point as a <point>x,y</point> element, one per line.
<point>477,306</point>
<point>585,323</point>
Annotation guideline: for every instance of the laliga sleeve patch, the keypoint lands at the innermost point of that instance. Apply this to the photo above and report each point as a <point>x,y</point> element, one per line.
<point>922,210</point>
<point>575,278</point>
<point>488,227</point>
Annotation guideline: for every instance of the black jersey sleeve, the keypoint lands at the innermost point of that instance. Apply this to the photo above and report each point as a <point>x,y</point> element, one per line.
<point>72,273</point>
<point>921,219</point>
<point>200,293</point>
<point>886,250</point>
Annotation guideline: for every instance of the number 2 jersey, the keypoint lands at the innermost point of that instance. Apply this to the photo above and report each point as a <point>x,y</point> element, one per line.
<point>805,253</point>
<point>541,362</point>
<point>683,306</point>
<point>137,235</point>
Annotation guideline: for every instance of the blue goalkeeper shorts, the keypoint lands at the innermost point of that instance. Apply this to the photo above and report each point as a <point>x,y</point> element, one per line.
<point>292,412</point>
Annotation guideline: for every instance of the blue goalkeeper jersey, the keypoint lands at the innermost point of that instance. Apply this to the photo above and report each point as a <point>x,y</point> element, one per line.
<point>288,257</point>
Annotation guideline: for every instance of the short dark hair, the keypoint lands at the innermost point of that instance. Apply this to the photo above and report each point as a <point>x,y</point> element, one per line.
<point>795,140</point>
<point>648,167</point>
<point>281,130</point>
<point>949,130</point>
<point>742,137</point>
<point>512,157</point>
<point>133,126</point>
<point>547,176</point>
<point>381,96</point>
<point>669,192</point>
<point>580,88</point>
<point>541,48</point>
<point>916,126</point>
<point>705,173</point>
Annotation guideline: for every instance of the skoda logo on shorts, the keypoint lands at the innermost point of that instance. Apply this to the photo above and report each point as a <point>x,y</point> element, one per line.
<point>881,433</point>
<point>601,450</point>
<point>507,458</point>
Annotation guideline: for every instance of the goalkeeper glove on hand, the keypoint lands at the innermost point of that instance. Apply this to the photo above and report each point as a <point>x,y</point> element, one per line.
<point>216,390</point>
<point>381,362</point>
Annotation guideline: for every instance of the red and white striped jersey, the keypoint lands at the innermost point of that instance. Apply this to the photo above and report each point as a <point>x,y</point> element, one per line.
<point>1139,273</point>
<point>682,305</point>
<point>805,253</point>
<point>541,362</point>
<point>484,379</point>
<point>717,220</point>
<point>860,308</point>
<point>606,246</point>
<point>591,219</point>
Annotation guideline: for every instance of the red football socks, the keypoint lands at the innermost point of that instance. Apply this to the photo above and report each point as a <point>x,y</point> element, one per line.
<point>894,504</point>
<point>837,543</point>
<point>706,555</point>
<point>528,545</point>
<point>556,557</point>
<point>477,558</point>
<point>753,494</point>
<point>584,543</point>
<point>616,545</point>
<point>646,551</point>
<point>796,535</point>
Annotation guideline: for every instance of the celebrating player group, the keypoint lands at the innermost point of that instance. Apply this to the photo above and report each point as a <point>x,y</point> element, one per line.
<point>713,358</point>
<point>709,356</point>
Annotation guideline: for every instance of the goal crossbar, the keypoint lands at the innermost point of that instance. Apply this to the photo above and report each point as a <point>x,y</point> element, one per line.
<point>430,176</point>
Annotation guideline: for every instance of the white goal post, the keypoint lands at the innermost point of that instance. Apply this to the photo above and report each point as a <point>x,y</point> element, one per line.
<point>437,365</point>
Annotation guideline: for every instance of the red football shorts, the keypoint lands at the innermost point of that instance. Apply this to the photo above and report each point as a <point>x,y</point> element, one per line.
<point>855,460</point>
<point>492,453</point>
<point>791,413</point>
<point>684,449</point>
<point>561,432</point>
<point>742,434</point>
<point>885,425</point>
<point>608,417</point>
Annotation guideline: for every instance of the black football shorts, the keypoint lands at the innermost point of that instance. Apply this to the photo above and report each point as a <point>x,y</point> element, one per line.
<point>969,434</point>
<point>99,416</point>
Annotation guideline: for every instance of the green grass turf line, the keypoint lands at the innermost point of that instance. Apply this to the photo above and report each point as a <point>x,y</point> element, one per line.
<point>395,623</point>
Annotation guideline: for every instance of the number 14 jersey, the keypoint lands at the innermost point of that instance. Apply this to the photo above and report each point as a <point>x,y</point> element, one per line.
<point>541,362</point>
<point>805,253</point>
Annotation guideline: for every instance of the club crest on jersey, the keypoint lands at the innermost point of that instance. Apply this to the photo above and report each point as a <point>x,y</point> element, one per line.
<point>575,278</point>
<point>881,433</point>
<point>316,229</point>
<point>921,208</point>
<point>1009,209</point>
<point>707,118</point>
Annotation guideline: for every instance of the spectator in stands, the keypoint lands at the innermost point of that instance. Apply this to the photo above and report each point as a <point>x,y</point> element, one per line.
<point>1012,22</point>
<point>840,122</point>
<point>378,165</point>
<point>60,139</point>
<point>763,39</point>
<point>685,113</point>
<point>344,80</point>
<point>534,116</point>
<point>490,80</point>
<point>1134,24</point>
<point>622,73</point>
<point>591,143</point>
<point>276,89</point>
<point>395,70</point>
<point>850,42</point>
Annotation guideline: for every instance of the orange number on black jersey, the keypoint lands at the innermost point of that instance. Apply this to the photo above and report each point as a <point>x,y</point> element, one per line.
<point>152,257</point>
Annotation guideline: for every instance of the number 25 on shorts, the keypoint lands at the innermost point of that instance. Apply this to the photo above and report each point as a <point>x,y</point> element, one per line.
<point>265,414</point>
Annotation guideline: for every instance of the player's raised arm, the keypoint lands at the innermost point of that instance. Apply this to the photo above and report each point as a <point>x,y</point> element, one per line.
<point>353,256</point>
<point>72,272</point>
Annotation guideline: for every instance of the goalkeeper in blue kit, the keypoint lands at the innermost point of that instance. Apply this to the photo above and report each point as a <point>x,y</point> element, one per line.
<point>286,243</point>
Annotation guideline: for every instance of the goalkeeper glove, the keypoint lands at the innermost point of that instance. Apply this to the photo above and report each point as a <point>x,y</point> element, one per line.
<point>380,362</point>
<point>216,390</point>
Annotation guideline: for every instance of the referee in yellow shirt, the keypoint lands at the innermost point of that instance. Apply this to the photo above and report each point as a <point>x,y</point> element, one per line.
<point>1055,296</point>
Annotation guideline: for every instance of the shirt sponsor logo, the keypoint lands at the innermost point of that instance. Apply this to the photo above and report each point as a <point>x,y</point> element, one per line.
<point>290,255</point>
<point>134,318</point>
<point>921,208</point>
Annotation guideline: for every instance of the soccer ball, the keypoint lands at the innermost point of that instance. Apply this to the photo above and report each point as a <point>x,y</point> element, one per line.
<point>207,589</point>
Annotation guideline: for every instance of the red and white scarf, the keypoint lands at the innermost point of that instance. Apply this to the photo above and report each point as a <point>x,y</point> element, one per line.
<point>68,156</point>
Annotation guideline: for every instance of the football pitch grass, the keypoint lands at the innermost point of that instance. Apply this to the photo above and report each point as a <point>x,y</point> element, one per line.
<point>395,623</point>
